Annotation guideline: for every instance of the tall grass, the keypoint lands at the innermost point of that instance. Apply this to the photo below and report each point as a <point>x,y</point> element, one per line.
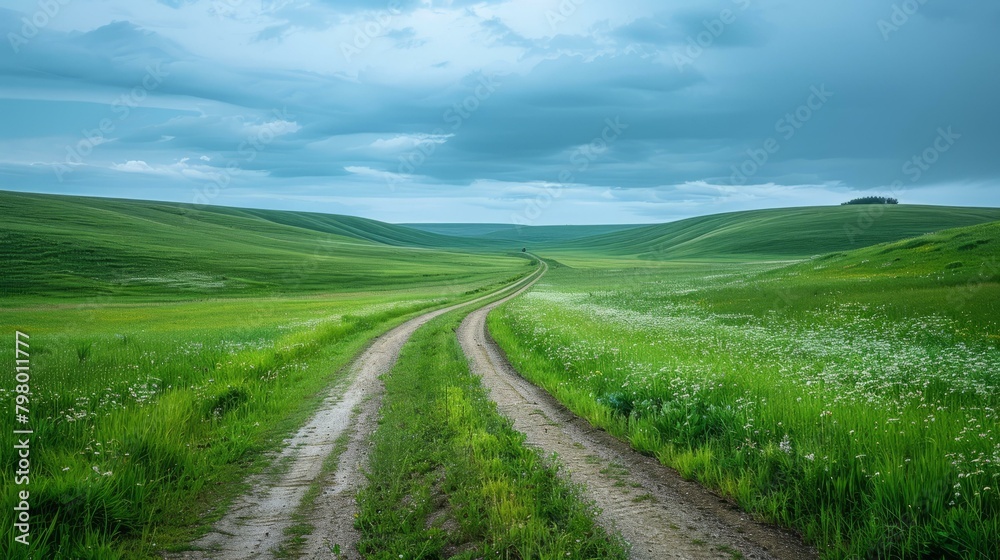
<point>449,476</point>
<point>864,417</point>
<point>146,416</point>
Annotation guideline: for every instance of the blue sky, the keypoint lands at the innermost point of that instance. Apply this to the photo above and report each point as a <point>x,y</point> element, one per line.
<point>524,111</point>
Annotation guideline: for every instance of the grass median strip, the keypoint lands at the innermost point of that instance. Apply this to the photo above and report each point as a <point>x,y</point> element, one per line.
<point>450,478</point>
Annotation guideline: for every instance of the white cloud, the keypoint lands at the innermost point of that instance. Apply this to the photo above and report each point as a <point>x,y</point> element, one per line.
<point>181,169</point>
<point>409,141</point>
<point>388,176</point>
<point>135,166</point>
<point>685,131</point>
<point>274,128</point>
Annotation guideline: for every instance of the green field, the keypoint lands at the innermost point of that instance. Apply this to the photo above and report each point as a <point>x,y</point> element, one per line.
<point>170,350</point>
<point>834,370</point>
<point>73,247</point>
<point>778,234</point>
<point>852,396</point>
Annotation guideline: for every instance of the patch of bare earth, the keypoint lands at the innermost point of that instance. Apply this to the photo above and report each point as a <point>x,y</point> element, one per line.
<point>658,512</point>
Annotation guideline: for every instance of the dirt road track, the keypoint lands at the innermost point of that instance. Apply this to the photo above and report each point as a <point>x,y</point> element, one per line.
<point>256,523</point>
<point>660,514</point>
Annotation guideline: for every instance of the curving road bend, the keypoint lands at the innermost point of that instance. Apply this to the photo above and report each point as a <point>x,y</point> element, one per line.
<point>255,524</point>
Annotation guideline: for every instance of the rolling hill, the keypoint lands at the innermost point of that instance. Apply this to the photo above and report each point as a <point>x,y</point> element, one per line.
<point>952,273</point>
<point>786,233</point>
<point>63,246</point>
<point>505,233</point>
<point>969,254</point>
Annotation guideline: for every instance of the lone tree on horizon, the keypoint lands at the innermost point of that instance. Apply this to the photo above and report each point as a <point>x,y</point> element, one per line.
<point>872,200</point>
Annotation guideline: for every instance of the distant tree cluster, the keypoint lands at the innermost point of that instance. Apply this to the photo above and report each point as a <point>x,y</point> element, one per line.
<point>872,200</point>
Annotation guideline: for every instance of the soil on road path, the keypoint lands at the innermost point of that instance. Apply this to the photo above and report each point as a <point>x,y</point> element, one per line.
<point>255,524</point>
<point>659,513</point>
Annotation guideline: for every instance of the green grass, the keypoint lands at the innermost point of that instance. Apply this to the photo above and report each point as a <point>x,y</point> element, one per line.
<point>930,255</point>
<point>912,277</point>
<point>853,396</point>
<point>776,234</point>
<point>68,248</point>
<point>450,478</point>
<point>170,405</point>
<point>173,347</point>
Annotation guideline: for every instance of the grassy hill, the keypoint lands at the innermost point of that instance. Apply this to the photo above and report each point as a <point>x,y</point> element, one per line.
<point>358,228</point>
<point>521,234</point>
<point>837,395</point>
<point>69,246</point>
<point>74,246</point>
<point>953,273</point>
<point>963,254</point>
<point>781,233</point>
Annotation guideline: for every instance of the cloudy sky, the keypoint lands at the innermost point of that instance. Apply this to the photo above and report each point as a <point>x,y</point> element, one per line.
<point>525,111</point>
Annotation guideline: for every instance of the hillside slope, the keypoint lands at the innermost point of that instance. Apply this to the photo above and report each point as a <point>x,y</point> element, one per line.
<point>953,274</point>
<point>63,246</point>
<point>963,254</point>
<point>782,233</point>
<point>358,228</point>
<point>521,234</point>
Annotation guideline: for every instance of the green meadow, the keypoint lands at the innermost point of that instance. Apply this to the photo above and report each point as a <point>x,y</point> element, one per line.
<point>787,233</point>
<point>171,351</point>
<point>66,248</point>
<point>833,370</point>
<point>851,396</point>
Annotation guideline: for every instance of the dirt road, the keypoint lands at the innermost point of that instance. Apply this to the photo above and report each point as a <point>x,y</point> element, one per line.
<point>255,525</point>
<point>660,514</point>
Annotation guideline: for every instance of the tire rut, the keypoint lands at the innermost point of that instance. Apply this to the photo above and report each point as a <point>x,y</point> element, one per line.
<point>659,513</point>
<point>254,526</point>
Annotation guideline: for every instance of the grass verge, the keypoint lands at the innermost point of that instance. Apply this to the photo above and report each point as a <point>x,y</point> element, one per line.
<point>449,477</point>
